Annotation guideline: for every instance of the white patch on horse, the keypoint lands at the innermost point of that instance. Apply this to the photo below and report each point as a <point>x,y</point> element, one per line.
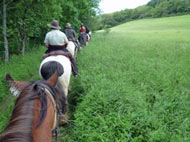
<point>64,79</point>
<point>71,48</point>
<point>15,91</point>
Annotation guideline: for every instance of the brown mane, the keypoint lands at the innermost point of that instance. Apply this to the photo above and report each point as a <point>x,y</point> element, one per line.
<point>19,128</point>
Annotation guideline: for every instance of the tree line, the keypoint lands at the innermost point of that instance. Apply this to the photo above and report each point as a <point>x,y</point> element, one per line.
<point>154,9</point>
<point>25,21</point>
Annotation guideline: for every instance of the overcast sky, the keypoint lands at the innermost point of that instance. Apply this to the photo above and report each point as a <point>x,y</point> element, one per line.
<point>109,6</point>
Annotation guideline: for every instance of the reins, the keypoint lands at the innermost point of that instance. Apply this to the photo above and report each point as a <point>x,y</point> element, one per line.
<point>55,125</point>
<point>50,93</point>
<point>55,108</point>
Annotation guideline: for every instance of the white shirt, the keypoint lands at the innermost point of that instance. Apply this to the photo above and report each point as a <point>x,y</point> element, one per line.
<point>55,37</point>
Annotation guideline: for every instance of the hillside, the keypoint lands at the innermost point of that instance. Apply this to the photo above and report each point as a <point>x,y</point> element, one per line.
<point>134,84</point>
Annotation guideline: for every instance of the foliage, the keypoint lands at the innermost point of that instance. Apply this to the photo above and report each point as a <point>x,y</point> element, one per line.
<point>27,19</point>
<point>155,8</point>
<point>20,68</point>
<point>136,83</point>
<point>135,89</point>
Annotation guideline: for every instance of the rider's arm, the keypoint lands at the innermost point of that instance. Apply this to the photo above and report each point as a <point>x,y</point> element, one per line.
<point>46,41</point>
<point>46,45</point>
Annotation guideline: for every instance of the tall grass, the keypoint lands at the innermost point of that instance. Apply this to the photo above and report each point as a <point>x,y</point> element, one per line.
<point>21,68</point>
<point>136,82</point>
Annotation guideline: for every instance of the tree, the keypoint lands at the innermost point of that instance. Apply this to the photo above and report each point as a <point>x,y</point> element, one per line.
<point>26,20</point>
<point>4,21</point>
<point>30,19</point>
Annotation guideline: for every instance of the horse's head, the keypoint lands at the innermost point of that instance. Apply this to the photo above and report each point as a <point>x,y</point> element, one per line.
<point>35,106</point>
<point>16,87</point>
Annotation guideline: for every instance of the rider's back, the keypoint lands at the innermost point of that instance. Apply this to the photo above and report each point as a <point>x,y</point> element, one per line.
<point>55,37</point>
<point>70,33</point>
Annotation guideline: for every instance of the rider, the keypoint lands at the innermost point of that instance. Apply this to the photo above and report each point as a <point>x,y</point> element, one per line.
<point>87,30</point>
<point>71,34</point>
<point>82,29</point>
<point>57,40</point>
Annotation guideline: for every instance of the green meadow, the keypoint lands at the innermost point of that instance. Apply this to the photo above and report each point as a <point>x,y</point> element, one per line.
<point>134,84</point>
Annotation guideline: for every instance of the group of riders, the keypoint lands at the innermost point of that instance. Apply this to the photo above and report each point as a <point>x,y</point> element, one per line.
<point>56,40</point>
<point>42,105</point>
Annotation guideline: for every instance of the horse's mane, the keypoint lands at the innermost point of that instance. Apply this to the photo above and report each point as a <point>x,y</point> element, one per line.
<point>19,128</point>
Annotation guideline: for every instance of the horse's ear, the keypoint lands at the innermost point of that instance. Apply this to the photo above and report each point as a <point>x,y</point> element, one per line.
<point>53,79</point>
<point>8,77</point>
<point>15,86</point>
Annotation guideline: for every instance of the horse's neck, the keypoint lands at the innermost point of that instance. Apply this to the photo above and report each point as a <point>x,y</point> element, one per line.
<point>43,133</point>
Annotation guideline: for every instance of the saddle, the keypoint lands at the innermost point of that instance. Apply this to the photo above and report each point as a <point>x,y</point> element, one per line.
<point>66,54</point>
<point>57,52</point>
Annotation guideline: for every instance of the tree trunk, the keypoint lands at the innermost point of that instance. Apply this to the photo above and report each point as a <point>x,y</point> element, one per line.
<point>23,44</point>
<point>5,32</point>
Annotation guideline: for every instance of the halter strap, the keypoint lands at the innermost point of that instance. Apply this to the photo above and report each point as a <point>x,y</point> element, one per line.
<point>55,109</point>
<point>50,94</point>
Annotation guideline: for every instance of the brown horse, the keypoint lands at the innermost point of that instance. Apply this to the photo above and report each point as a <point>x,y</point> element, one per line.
<point>83,39</point>
<point>35,112</point>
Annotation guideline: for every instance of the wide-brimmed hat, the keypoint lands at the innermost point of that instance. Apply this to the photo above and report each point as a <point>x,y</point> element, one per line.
<point>54,24</point>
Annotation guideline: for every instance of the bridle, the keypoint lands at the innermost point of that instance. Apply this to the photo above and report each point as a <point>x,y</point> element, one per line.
<point>50,93</point>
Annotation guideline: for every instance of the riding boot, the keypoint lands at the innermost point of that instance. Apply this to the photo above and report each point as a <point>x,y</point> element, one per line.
<point>74,67</point>
<point>78,45</point>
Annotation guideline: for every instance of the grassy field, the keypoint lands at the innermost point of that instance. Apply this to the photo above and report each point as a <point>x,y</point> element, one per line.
<point>20,68</point>
<point>134,84</point>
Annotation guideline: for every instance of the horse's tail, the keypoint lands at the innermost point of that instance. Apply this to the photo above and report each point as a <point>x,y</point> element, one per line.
<point>49,68</point>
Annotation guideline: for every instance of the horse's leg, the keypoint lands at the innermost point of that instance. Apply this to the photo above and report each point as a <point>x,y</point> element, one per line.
<point>64,83</point>
<point>43,133</point>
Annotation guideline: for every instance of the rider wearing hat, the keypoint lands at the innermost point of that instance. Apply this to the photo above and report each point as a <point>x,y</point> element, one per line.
<point>57,40</point>
<point>71,34</point>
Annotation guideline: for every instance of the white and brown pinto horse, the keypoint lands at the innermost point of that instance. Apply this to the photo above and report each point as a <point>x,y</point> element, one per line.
<point>35,112</point>
<point>60,63</point>
<point>71,47</point>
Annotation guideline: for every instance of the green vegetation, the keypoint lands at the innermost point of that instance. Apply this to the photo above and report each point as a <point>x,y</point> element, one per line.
<point>25,21</point>
<point>21,68</point>
<point>134,84</point>
<point>155,8</point>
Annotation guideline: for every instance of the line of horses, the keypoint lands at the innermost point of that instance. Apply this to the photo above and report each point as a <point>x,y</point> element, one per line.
<point>41,105</point>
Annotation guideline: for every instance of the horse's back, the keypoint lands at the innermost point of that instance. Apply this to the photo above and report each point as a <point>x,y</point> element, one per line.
<point>64,61</point>
<point>64,79</point>
<point>83,39</point>
<point>71,48</point>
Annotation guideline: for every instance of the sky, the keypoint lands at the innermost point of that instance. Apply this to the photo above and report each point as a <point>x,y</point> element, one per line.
<point>109,6</point>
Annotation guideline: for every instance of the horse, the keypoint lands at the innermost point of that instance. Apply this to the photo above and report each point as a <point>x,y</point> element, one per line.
<point>60,63</point>
<point>89,34</point>
<point>35,112</point>
<point>71,47</point>
<point>83,39</point>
